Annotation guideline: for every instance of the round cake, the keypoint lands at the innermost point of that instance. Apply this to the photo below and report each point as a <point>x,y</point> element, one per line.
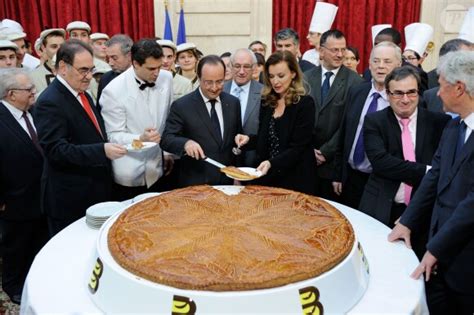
<point>200,238</point>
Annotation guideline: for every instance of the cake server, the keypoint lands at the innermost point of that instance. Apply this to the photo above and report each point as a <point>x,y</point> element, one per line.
<point>214,162</point>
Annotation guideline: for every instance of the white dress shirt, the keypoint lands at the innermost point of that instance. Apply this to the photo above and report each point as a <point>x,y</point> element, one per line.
<point>218,107</point>
<point>243,97</point>
<point>18,115</point>
<point>331,79</point>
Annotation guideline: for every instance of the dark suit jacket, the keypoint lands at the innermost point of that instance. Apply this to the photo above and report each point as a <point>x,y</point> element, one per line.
<point>293,167</point>
<point>21,165</point>
<point>354,104</point>
<point>305,65</point>
<point>189,120</point>
<point>329,115</point>
<point>449,186</point>
<point>77,173</point>
<point>104,80</point>
<point>432,101</point>
<point>383,145</point>
<point>432,79</point>
<point>251,117</point>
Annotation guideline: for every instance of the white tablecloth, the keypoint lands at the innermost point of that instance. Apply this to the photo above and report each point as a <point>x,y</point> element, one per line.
<point>57,280</point>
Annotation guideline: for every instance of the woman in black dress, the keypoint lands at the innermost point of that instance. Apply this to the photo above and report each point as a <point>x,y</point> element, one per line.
<point>283,142</point>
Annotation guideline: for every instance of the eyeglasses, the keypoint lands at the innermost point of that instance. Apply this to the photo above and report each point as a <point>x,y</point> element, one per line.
<point>401,94</point>
<point>210,83</point>
<point>246,67</point>
<point>84,71</point>
<point>31,89</point>
<point>335,50</point>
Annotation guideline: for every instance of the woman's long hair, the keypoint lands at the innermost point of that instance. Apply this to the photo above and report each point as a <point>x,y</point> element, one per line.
<point>296,89</point>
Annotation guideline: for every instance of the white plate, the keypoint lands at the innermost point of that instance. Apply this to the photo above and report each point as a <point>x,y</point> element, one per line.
<point>249,170</point>
<point>104,209</point>
<point>146,146</point>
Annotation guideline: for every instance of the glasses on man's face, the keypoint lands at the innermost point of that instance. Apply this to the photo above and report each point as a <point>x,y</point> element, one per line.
<point>210,83</point>
<point>31,89</point>
<point>335,50</point>
<point>84,71</point>
<point>246,67</point>
<point>400,94</point>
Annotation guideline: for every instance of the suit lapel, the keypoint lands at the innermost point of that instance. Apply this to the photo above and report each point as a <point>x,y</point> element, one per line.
<point>357,105</point>
<point>395,130</point>
<point>15,128</point>
<point>254,96</point>
<point>203,114</point>
<point>317,85</point>
<point>420,134</point>
<point>336,86</point>
<point>226,114</point>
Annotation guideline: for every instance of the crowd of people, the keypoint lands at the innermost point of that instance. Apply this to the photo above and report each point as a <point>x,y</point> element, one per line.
<point>394,142</point>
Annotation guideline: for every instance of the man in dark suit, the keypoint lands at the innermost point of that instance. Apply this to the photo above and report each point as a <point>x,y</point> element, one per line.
<point>119,57</point>
<point>446,193</point>
<point>203,124</point>
<point>400,142</point>
<point>287,39</point>
<point>353,167</point>
<point>23,226</point>
<point>77,171</point>
<point>249,93</point>
<point>329,85</point>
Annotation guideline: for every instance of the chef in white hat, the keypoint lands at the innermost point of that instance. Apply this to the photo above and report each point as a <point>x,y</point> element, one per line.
<point>467,28</point>
<point>376,29</point>
<point>323,17</point>
<point>12,31</point>
<point>417,37</point>
<point>8,51</point>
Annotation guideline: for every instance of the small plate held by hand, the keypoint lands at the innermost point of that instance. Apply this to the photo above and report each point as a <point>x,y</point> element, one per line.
<point>146,146</point>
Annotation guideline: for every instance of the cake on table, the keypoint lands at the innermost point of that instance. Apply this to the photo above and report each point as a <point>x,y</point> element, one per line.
<point>200,238</point>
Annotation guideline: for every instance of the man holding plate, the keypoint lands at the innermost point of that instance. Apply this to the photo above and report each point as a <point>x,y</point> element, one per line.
<point>135,106</point>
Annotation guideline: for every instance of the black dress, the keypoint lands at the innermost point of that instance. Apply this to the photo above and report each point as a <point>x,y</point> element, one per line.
<point>286,142</point>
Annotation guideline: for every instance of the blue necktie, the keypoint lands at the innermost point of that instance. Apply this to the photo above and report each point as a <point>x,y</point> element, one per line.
<point>325,87</point>
<point>359,151</point>
<point>214,119</point>
<point>461,138</point>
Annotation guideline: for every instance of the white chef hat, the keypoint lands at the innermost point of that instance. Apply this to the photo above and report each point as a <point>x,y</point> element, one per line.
<point>377,28</point>
<point>467,28</point>
<point>417,37</point>
<point>78,25</point>
<point>323,17</point>
<point>97,36</point>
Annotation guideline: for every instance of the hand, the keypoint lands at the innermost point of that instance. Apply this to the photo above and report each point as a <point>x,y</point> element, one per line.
<point>400,232</point>
<point>241,140</point>
<point>150,135</point>
<point>2,207</point>
<point>320,159</point>
<point>337,187</point>
<point>264,167</point>
<point>194,150</point>
<point>426,266</point>
<point>168,163</point>
<point>114,151</point>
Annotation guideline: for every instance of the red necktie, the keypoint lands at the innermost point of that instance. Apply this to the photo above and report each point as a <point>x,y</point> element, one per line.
<point>90,113</point>
<point>408,153</point>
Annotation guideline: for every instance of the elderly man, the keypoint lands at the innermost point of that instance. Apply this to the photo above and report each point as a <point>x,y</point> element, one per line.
<point>8,51</point>
<point>287,39</point>
<point>119,58</point>
<point>135,106</point>
<point>77,170</point>
<point>181,85</point>
<point>329,85</point>
<point>249,93</point>
<point>23,226</point>
<point>353,166</point>
<point>400,142</point>
<point>446,193</point>
<point>203,124</point>
<point>51,40</point>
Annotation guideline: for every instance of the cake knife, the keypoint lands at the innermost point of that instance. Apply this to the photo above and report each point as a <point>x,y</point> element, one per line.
<point>214,162</point>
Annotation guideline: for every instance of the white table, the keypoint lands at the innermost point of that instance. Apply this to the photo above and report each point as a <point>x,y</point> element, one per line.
<point>57,280</point>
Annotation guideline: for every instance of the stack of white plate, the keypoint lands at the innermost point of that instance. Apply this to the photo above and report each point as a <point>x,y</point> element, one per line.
<point>97,214</point>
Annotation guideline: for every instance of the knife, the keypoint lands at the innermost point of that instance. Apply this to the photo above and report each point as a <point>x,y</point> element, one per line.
<point>213,162</point>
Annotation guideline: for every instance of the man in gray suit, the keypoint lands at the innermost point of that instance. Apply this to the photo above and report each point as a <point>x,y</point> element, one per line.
<point>249,93</point>
<point>329,84</point>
